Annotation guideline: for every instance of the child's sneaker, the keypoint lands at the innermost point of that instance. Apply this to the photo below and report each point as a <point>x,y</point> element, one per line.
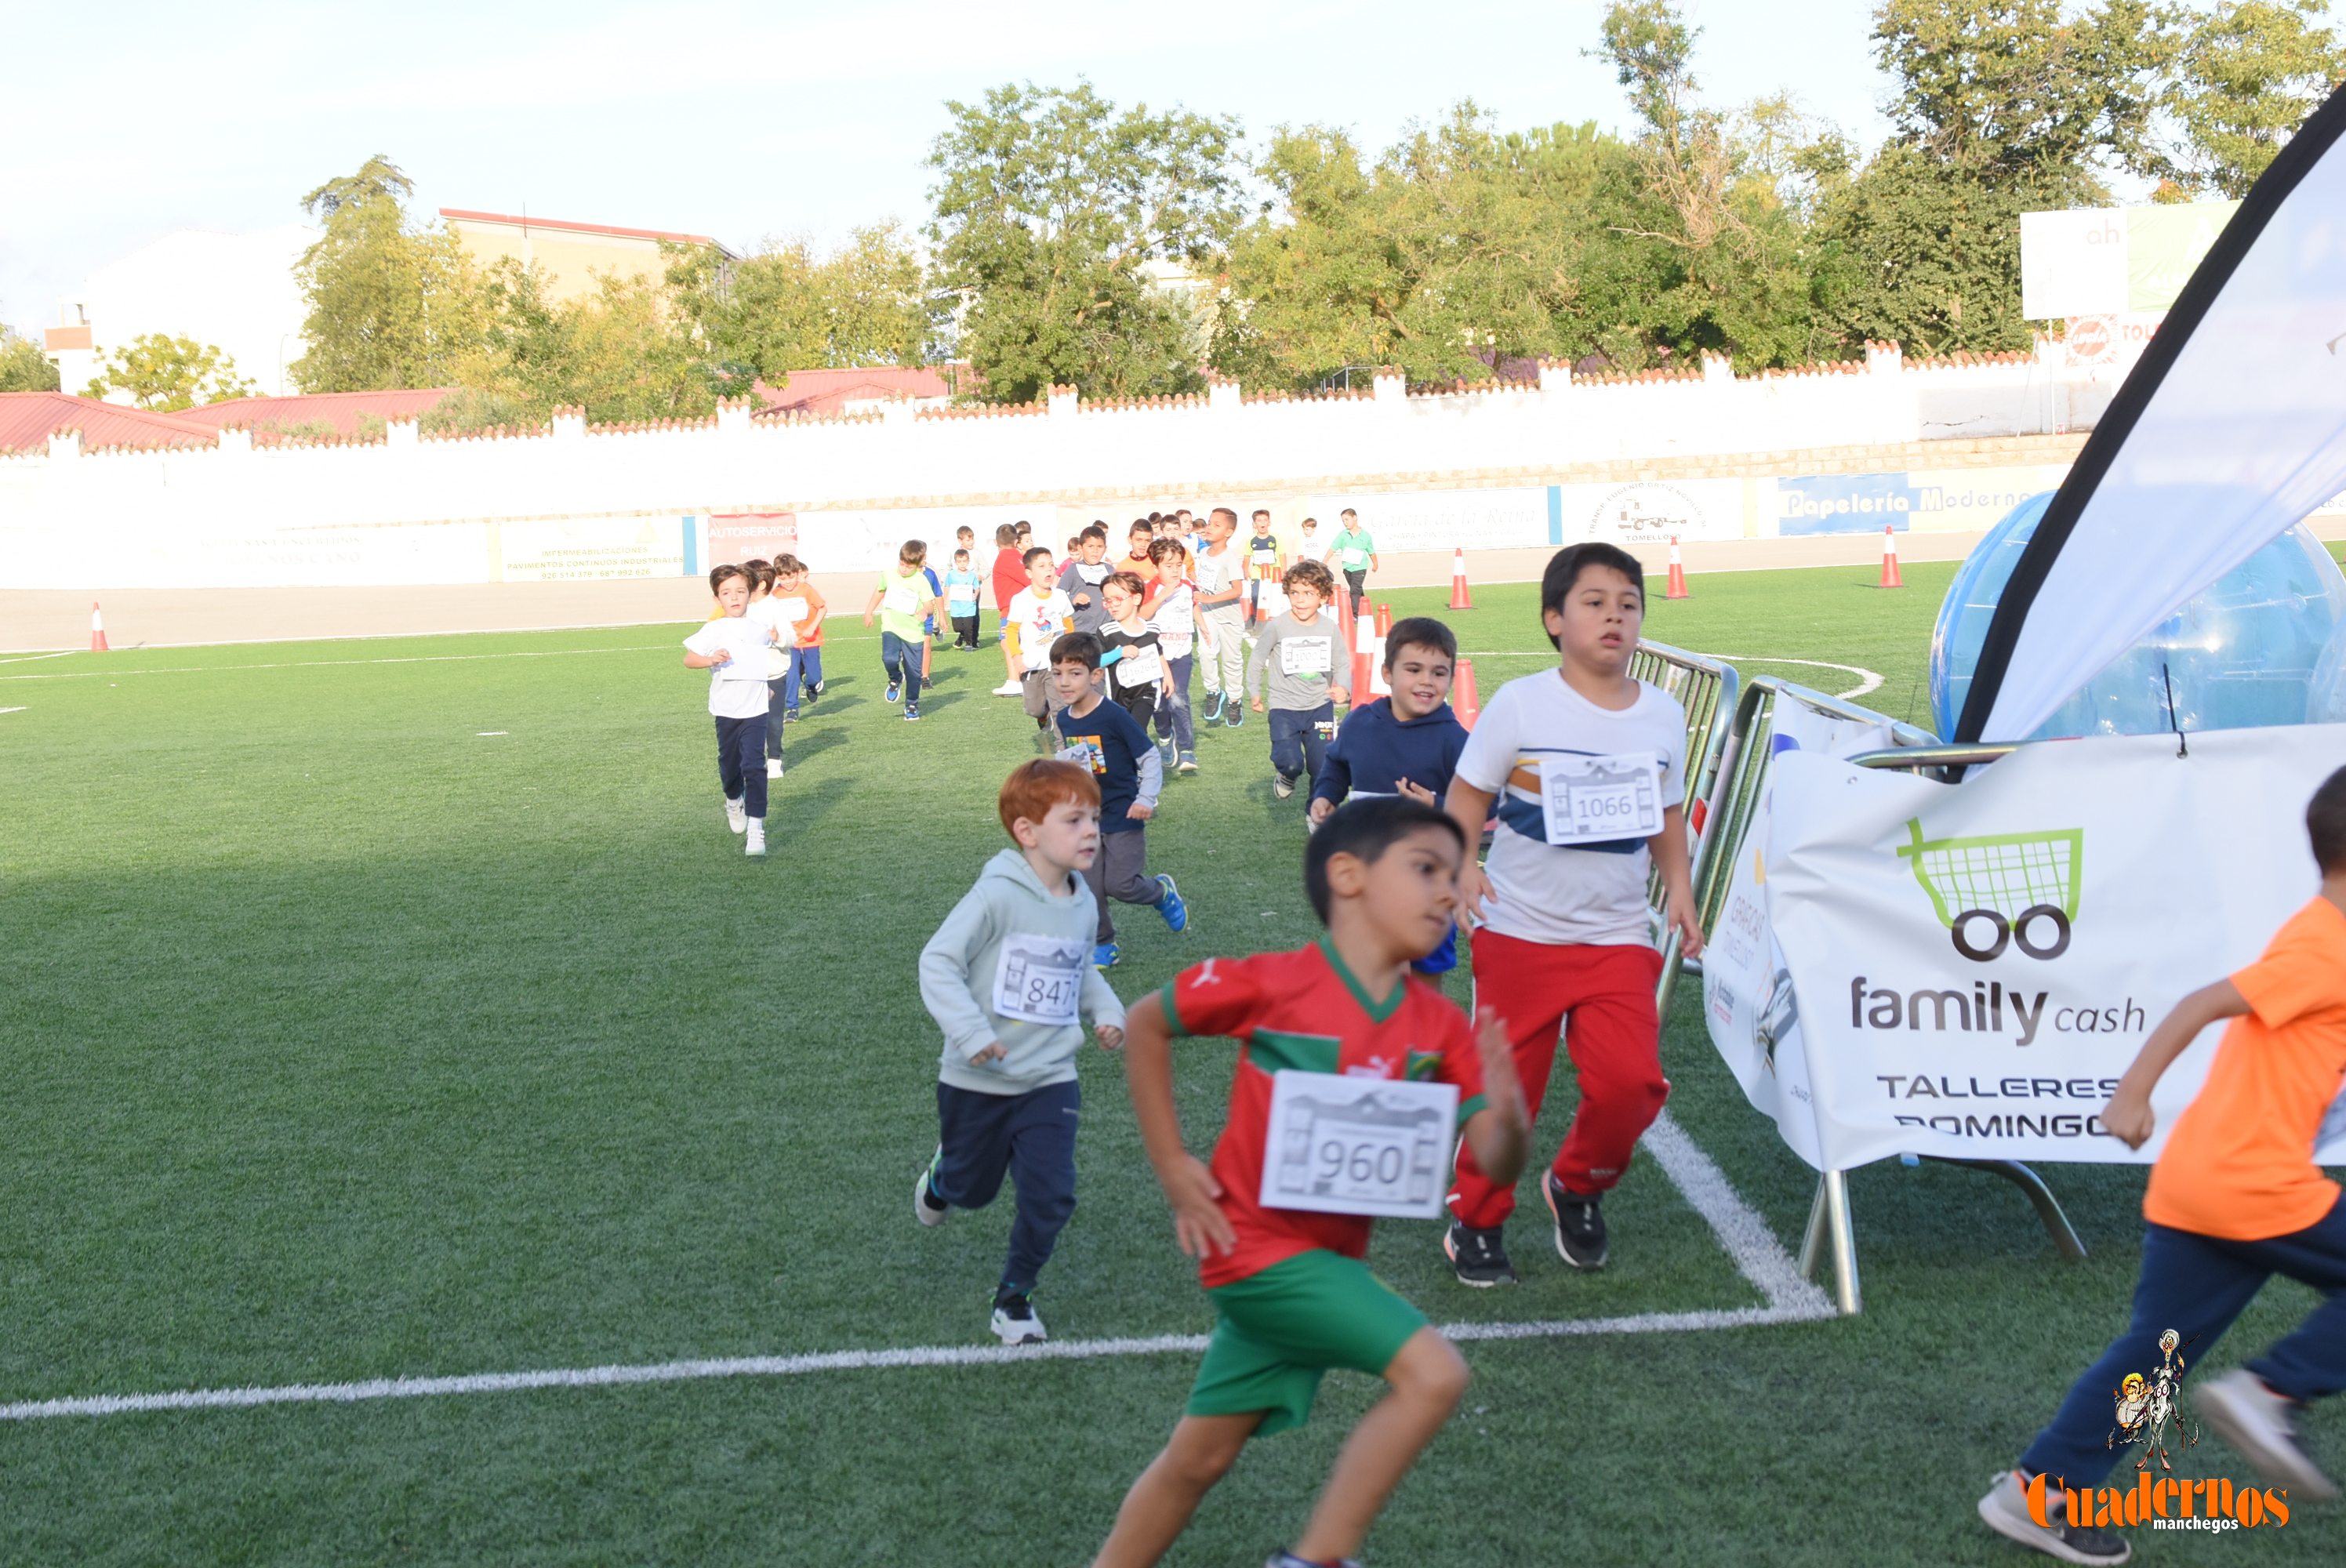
<point>1015,1322</point>
<point>2262,1427</point>
<point>1164,751</point>
<point>773,767</point>
<point>1579,1223</point>
<point>894,690</point>
<point>1234,715</point>
<point>912,713</point>
<point>1213,714</point>
<point>1290,1560</point>
<point>1105,955</point>
<point>1009,688</point>
<point>755,847</point>
<point>1175,913</point>
<point>737,815</point>
<point>926,1206</point>
<point>2005,1510</point>
<point>1479,1257</point>
<point>1189,763</point>
<point>790,716</point>
<point>1283,786</point>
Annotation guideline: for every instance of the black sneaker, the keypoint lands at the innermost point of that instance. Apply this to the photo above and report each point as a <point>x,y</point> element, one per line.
<point>2005,1510</point>
<point>1579,1223</point>
<point>1479,1257</point>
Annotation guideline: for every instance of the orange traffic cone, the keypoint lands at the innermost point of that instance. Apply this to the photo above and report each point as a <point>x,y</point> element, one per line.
<point>1360,697</point>
<point>96,629</point>
<point>1677,588</point>
<point>1460,599</point>
<point>1385,619</point>
<point>1463,700</point>
<point>1890,579</point>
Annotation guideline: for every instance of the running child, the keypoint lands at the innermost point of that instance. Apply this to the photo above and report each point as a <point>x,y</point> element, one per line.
<point>732,648</point>
<point>1564,938</point>
<point>1291,1295</point>
<point>962,584</point>
<point>1405,744</point>
<point>1097,734</point>
<point>1040,614</point>
<point>1142,535</point>
<point>1219,568</point>
<point>1132,655</point>
<point>1009,575</point>
<point>800,603</point>
<point>1082,577</point>
<point>905,600</point>
<point>1356,552</point>
<point>765,610</point>
<point>1004,978</point>
<point>1295,661</point>
<point>1170,606</point>
<point>2234,1199</point>
<point>1262,562</point>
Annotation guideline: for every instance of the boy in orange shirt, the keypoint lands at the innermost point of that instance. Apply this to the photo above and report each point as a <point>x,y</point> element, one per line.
<point>798,601</point>
<point>2234,1199</point>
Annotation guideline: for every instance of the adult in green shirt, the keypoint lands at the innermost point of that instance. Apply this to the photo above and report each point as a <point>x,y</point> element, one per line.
<point>1356,552</point>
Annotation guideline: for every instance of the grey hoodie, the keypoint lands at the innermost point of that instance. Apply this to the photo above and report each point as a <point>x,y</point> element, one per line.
<point>964,975</point>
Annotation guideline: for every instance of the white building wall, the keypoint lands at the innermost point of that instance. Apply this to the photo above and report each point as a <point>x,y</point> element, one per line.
<point>235,292</point>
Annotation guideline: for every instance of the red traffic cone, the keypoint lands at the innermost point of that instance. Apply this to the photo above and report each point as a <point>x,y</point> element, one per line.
<point>1360,680</point>
<point>1344,613</point>
<point>96,629</point>
<point>1460,599</point>
<point>1677,588</point>
<point>1385,619</point>
<point>1463,700</point>
<point>1890,579</point>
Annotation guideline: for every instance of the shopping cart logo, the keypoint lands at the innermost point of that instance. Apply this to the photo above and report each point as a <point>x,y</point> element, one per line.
<point>2001,890</point>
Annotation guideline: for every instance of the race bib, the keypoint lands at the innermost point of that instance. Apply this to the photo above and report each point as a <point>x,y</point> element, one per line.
<point>1266,557</point>
<point>1306,655</point>
<point>1085,751</point>
<point>1039,979</point>
<point>791,610</point>
<point>1139,666</point>
<point>1593,798</point>
<point>1370,1146</point>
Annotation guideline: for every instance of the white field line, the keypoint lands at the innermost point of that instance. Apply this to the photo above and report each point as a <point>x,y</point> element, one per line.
<point>330,663</point>
<point>1746,1238</point>
<point>11,711</point>
<point>29,658</point>
<point>1868,680</point>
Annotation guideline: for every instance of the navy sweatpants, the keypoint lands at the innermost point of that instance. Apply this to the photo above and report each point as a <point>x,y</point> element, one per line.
<point>1029,1137</point>
<point>741,761</point>
<point>2196,1285</point>
<point>1299,739</point>
<point>900,658</point>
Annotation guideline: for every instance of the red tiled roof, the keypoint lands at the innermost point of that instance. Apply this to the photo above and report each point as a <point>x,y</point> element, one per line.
<point>827,391</point>
<point>341,410</point>
<point>460,215</point>
<point>26,419</point>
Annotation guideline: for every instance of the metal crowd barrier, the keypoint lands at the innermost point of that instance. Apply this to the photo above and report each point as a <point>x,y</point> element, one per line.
<point>1707,688</point>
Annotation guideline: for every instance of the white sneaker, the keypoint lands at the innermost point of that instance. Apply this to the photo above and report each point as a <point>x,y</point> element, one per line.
<point>756,844</point>
<point>1014,1321</point>
<point>1010,688</point>
<point>737,816</point>
<point>773,767</point>
<point>2005,1510</point>
<point>2262,1427</point>
<point>924,1209</point>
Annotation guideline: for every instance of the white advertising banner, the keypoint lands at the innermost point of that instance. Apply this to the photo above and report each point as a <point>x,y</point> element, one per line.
<point>1747,994</point>
<point>1403,520</point>
<point>1654,511</point>
<point>1974,965</point>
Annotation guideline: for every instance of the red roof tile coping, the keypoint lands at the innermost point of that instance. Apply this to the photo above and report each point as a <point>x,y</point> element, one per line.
<point>343,410</point>
<point>464,215</point>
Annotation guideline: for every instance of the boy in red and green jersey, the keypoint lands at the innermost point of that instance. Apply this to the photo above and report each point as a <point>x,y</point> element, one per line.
<point>1291,1296</point>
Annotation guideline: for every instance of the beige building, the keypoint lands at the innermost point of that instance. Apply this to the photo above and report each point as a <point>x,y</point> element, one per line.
<point>571,254</point>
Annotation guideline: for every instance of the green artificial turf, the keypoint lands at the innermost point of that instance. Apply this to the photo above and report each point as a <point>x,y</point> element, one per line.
<point>344,1041</point>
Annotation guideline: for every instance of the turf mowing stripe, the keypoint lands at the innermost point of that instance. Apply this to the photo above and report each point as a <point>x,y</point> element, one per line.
<point>831,1361</point>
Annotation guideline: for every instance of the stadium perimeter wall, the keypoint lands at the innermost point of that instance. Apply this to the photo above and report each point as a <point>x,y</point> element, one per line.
<point>570,524</point>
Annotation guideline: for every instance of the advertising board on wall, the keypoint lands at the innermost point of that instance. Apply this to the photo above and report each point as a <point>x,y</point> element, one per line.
<point>1653,511</point>
<point>590,549</point>
<point>1438,519</point>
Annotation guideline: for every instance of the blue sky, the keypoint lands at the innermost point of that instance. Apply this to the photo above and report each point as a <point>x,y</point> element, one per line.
<point>744,121</point>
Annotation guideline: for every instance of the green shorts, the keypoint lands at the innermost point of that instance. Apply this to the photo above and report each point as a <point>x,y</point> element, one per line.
<point>1276,1332</point>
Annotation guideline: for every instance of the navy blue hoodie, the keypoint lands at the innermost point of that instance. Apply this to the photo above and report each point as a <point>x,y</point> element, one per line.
<point>1374,750</point>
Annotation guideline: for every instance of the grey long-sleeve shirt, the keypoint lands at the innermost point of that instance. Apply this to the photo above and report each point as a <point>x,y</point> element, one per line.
<point>1295,663</point>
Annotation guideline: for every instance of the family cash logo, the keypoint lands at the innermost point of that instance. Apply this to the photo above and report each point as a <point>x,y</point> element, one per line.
<point>1999,891</point>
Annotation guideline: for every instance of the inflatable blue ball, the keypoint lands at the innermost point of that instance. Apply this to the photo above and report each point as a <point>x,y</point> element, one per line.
<point>2249,651</point>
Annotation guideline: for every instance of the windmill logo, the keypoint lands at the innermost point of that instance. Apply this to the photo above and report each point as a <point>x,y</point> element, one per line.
<point>2003,889</point>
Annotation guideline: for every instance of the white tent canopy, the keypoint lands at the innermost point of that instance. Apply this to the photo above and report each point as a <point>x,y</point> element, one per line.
<point>2230,431</point>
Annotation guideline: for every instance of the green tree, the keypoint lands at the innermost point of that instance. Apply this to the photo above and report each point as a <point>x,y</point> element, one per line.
<point>22,366</point>
<point>626,352</point>
<point>788,307</point>
<point>2246,76</point>
<point>1048,202</point>
<point>391,303</point>
<point>164,373</point>
<point>1927,255</point>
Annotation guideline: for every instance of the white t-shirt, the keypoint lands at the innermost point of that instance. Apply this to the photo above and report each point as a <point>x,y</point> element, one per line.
<point>1176,621</point>
<point>738,689</point>
<point>772,613</point>
<point>1579,788</point>
<point>1041,619</point>
<point>1217,573</point>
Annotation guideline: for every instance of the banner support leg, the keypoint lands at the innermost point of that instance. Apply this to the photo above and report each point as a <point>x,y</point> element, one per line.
<point>2048,1207</point>
<point>1830,1227</point>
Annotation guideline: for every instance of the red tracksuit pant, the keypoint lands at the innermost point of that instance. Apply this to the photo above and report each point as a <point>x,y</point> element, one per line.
<point>1602,998</point>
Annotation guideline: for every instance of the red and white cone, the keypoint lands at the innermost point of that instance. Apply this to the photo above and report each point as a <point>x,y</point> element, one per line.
<point>1460,599</point>
<point>1677,588</point>
<point>1384,620</point>
<point>96,629</point>
<point>1890,579</point>
<point>1463,700</point>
